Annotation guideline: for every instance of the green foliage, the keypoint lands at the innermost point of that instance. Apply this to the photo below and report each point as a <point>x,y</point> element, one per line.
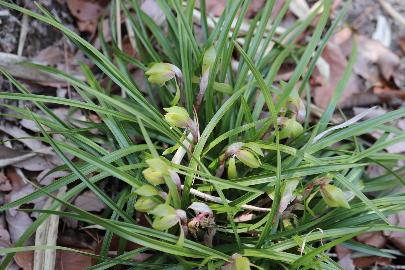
<point>232,139</point>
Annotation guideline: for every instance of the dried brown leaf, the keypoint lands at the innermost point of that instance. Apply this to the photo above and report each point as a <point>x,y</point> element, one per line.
<point>72,261</point>
<point>337,61</point>
<point>372,260</point>
<point>373,52</point>
<point>152,9</point>
<point>88,201</point>
<point>10,156</point>
<point>17,133</point>
<point>4,234</point>
<point>64,260</point>
<point>374,239</point>
<point>13,64</point>
<point>5,184</point>
<point>18,223</point>
<point>87,13</point>
<point>401,42</point>
<point>397,238</point>
<point>24,259</point>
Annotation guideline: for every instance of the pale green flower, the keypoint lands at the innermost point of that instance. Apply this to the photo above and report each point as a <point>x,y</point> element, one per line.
<point>291,129</point>
<point>145,204</point>
<point>178,117</point>
<point>248,158</point>
<point>334,196</point>
<point>160,73</point>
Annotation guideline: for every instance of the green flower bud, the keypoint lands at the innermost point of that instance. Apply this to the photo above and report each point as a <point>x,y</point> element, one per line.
<point>294,98</point>
<point>163,210</point>
<point>255,148</point>
<point>291,129</point>
<point>160,73</point>
<point>247,158</point>
<point>153,177</point>
<point>240,263</point>
<point>166,222</point>
<point>145,204</point>
<point>157,164</point>
<point>209,58</point>
<point>147,191</point>
<point>232,172</point>
<point>334,196</point>
<point>177,117</point>
<point>166,216</point>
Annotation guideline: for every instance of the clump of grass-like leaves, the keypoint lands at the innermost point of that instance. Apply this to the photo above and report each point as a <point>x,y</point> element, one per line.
<point>226,169</point>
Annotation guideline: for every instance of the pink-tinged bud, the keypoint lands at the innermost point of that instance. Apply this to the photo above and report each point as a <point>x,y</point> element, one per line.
<point>178,117</point>
<point>233,149</point>
<point>160,73</point>
<point>247,158</point>
<point>200,207</point>
<point>334,196</point>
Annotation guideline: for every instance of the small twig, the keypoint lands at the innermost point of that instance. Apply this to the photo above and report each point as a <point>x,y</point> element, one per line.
<point>345,124</point>
<point>4,13</point>
<point>65,54</point>
<point>305,239</point>
<point>219,200</point>
<point>318,112</point>
<point>392,12</point>
<point>23,34</point>
<point>131,33</point>
<point>46,234</point>
<point>181,152</point>
<point>119,34</point>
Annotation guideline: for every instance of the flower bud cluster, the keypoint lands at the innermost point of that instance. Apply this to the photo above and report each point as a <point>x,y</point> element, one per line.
<point>149,200</point>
